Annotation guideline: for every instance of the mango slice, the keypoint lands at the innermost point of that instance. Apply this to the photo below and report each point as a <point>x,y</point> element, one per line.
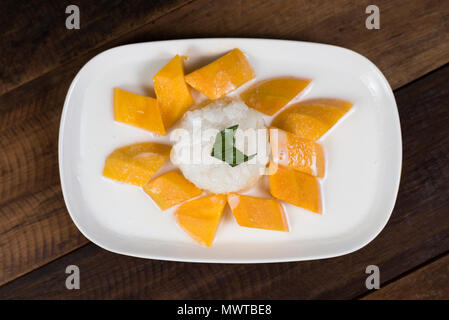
<point>222,76</point>
<point>296,188</point>
<point>171,189</point>
<point>172,92</point>
<point>297,153</point>
<point>137,110</point>
<point>258,213</point>
<point>345,106</point>
<point>136,163</point>
<point>270,96</point>
<point>200,217</point>
<point>313,118</point>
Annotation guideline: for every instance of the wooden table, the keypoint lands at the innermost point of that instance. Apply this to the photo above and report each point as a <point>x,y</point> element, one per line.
<point>39,58</point>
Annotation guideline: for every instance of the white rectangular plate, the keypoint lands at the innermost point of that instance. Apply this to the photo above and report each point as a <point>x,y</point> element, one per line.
<point>363,154</point>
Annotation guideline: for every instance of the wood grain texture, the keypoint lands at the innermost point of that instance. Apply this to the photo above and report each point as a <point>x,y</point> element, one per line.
<point>428,283</point>
<point>417,231</point>
<point>35,226</point>
<point>29,239</point>
<point>413,38</point>
<point>35,40</point>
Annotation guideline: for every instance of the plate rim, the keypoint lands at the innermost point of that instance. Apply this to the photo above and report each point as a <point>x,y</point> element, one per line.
<point>367,240</point>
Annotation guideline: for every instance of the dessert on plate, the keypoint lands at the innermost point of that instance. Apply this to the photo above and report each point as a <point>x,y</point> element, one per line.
<point>226,147</point>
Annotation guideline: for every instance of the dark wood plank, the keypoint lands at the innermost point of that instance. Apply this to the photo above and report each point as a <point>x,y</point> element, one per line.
<point>28,239</point>
<point>418,231</point>
<point>29,126</point>
<point>412,41</point>
<point>35,40</point>
<point>35,227</point>
<point>430,282</point>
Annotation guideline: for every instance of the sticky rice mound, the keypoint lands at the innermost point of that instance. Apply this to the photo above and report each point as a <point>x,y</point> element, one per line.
<point>194,140</point>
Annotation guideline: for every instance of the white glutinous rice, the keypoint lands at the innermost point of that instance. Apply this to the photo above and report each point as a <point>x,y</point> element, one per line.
<point>195,138</point>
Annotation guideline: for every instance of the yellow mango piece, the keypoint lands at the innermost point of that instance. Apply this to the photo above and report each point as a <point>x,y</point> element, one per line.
<point>297,153</point>
<point>313,118</point>
<point>297,188</point>
<point>258,213</point>
<point>171,189</point>
<point>172,92</point>
<point>269,96</point>
<point>222,76</point>
<point>200,217</point>
<point>136,163</point>
<point>341,104</point>
<point>137,110</point>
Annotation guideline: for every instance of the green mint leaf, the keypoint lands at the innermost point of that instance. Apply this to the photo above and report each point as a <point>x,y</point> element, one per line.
<point>224,148</point>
